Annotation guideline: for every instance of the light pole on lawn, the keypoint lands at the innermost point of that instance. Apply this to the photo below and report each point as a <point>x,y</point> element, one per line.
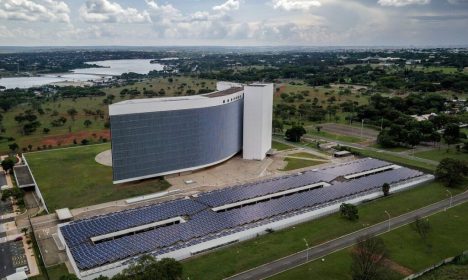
<point>451,198</point>
<point>362,126</point>
<point>388,214</point>
<point>307,251</point>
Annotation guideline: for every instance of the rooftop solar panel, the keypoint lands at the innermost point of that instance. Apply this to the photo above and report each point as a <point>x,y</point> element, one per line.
<point>204,224</point>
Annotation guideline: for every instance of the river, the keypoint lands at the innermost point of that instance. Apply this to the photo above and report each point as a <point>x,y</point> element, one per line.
<point>82,75</point>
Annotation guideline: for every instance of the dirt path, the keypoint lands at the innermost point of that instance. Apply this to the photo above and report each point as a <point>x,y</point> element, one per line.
<point>403,270</point>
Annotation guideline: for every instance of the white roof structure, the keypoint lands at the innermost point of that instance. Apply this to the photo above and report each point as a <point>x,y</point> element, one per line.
<point>64,214</point>
<point>147,105</point>
<point>17,276</point>
<point>423,117</point>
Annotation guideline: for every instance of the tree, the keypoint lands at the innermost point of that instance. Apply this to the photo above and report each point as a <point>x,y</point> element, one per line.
<point>277,125</point>
<point>87,123</point>
<point>349,211</point>
<point>451,171</point>
<point>422,227</point>
<point>386,189</point>
<point>295,133</point>
<point>8,163</point>
<point>46,130</point>
<point>451,134</point>
<point>72,112</point>
<point>13,147</point>
<point>148,268</point>
<point>414,137</point>
<point>318,128</point>
<point>368,258</point>
<point>84,142</point>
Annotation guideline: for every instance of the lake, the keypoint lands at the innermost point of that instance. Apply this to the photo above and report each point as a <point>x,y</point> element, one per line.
<point>112,68</point>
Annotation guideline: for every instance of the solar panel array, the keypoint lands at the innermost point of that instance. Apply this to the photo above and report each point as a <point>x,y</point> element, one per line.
<point>204,224</point>
<point>261,188</point>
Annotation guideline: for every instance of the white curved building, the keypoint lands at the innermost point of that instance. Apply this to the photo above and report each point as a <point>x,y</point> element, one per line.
<point>160,136</point>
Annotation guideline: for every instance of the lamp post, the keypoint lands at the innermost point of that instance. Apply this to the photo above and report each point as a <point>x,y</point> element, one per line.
<point>307,251</point>
<point>451,198</point>
<point>388,214</point>
<point>362,126</point>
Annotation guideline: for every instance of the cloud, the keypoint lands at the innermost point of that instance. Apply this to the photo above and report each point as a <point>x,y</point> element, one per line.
<point>111,12</point>
<point>38,10</point>
<point>440,17</point>
<point>295,5</point>
<point>457,2</point>
<point>401,3</point>
<point>227,6</point>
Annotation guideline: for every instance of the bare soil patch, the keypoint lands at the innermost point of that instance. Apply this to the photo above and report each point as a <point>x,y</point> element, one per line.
<point>67,139</point>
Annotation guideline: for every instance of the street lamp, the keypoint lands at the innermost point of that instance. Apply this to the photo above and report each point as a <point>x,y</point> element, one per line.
<point>362,126</point>
<point>388,214</point>
<point>307,251</point>
<point>451,198</point>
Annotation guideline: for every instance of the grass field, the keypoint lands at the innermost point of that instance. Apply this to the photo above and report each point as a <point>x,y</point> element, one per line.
<point>332,136</point>
<point>249,254</point>
<point>447,238</point>
<point>76,128</point>
<point>397,159</point>
<point>442,69</point>
<point>280,146</point>
<point>54,272</point>
<point>72,178</point>
<point>295,163</point>
<point>305,155</point>
<point>395,149</point>
<point>440,154</point>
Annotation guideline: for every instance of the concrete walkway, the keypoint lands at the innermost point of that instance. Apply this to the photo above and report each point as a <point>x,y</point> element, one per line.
<point>319,251</point>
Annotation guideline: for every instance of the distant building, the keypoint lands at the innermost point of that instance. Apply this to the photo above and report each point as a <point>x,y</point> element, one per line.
<point>161,136</point>
<point>423,117</point>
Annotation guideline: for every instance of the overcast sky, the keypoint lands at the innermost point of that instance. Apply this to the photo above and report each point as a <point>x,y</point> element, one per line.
<point>233,22</point>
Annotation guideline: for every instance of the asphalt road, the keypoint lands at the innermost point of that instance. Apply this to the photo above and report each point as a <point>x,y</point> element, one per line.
<point>291,261</point>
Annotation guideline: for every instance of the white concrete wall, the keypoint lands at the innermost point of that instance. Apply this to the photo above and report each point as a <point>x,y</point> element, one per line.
<point>222,85</point>
<point>258,115</point>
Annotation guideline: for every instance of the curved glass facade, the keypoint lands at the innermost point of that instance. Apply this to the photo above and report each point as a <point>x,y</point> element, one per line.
<point>157,143</point>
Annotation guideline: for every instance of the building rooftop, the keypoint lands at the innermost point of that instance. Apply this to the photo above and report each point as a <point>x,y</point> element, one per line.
<point>225,92</point>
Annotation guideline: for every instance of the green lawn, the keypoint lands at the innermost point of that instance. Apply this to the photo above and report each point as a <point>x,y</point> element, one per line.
<point>447,238</point>
<point>280,146</point>
<point>234,259</point>
<point>395,149</point>
<point>442,69</point>
<point>304,155</point>
<point>54,272</point>
<point>72,178</point>
<point>440,154</point>
<point>76,127</point>
<point>337,137</point>
<point>295,163</point>
<point>335,266</point>
<point>397,159</point>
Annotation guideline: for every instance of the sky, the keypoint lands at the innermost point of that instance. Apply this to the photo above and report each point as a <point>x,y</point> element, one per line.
<point>233,22</point>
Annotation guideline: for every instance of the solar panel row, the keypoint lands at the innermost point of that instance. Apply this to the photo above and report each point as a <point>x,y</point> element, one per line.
<point>204,224</point>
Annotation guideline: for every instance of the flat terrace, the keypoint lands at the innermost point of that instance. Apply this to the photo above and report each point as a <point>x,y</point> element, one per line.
<point>23,176</point>
<point>225,92</point>
<point>171,226</point>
